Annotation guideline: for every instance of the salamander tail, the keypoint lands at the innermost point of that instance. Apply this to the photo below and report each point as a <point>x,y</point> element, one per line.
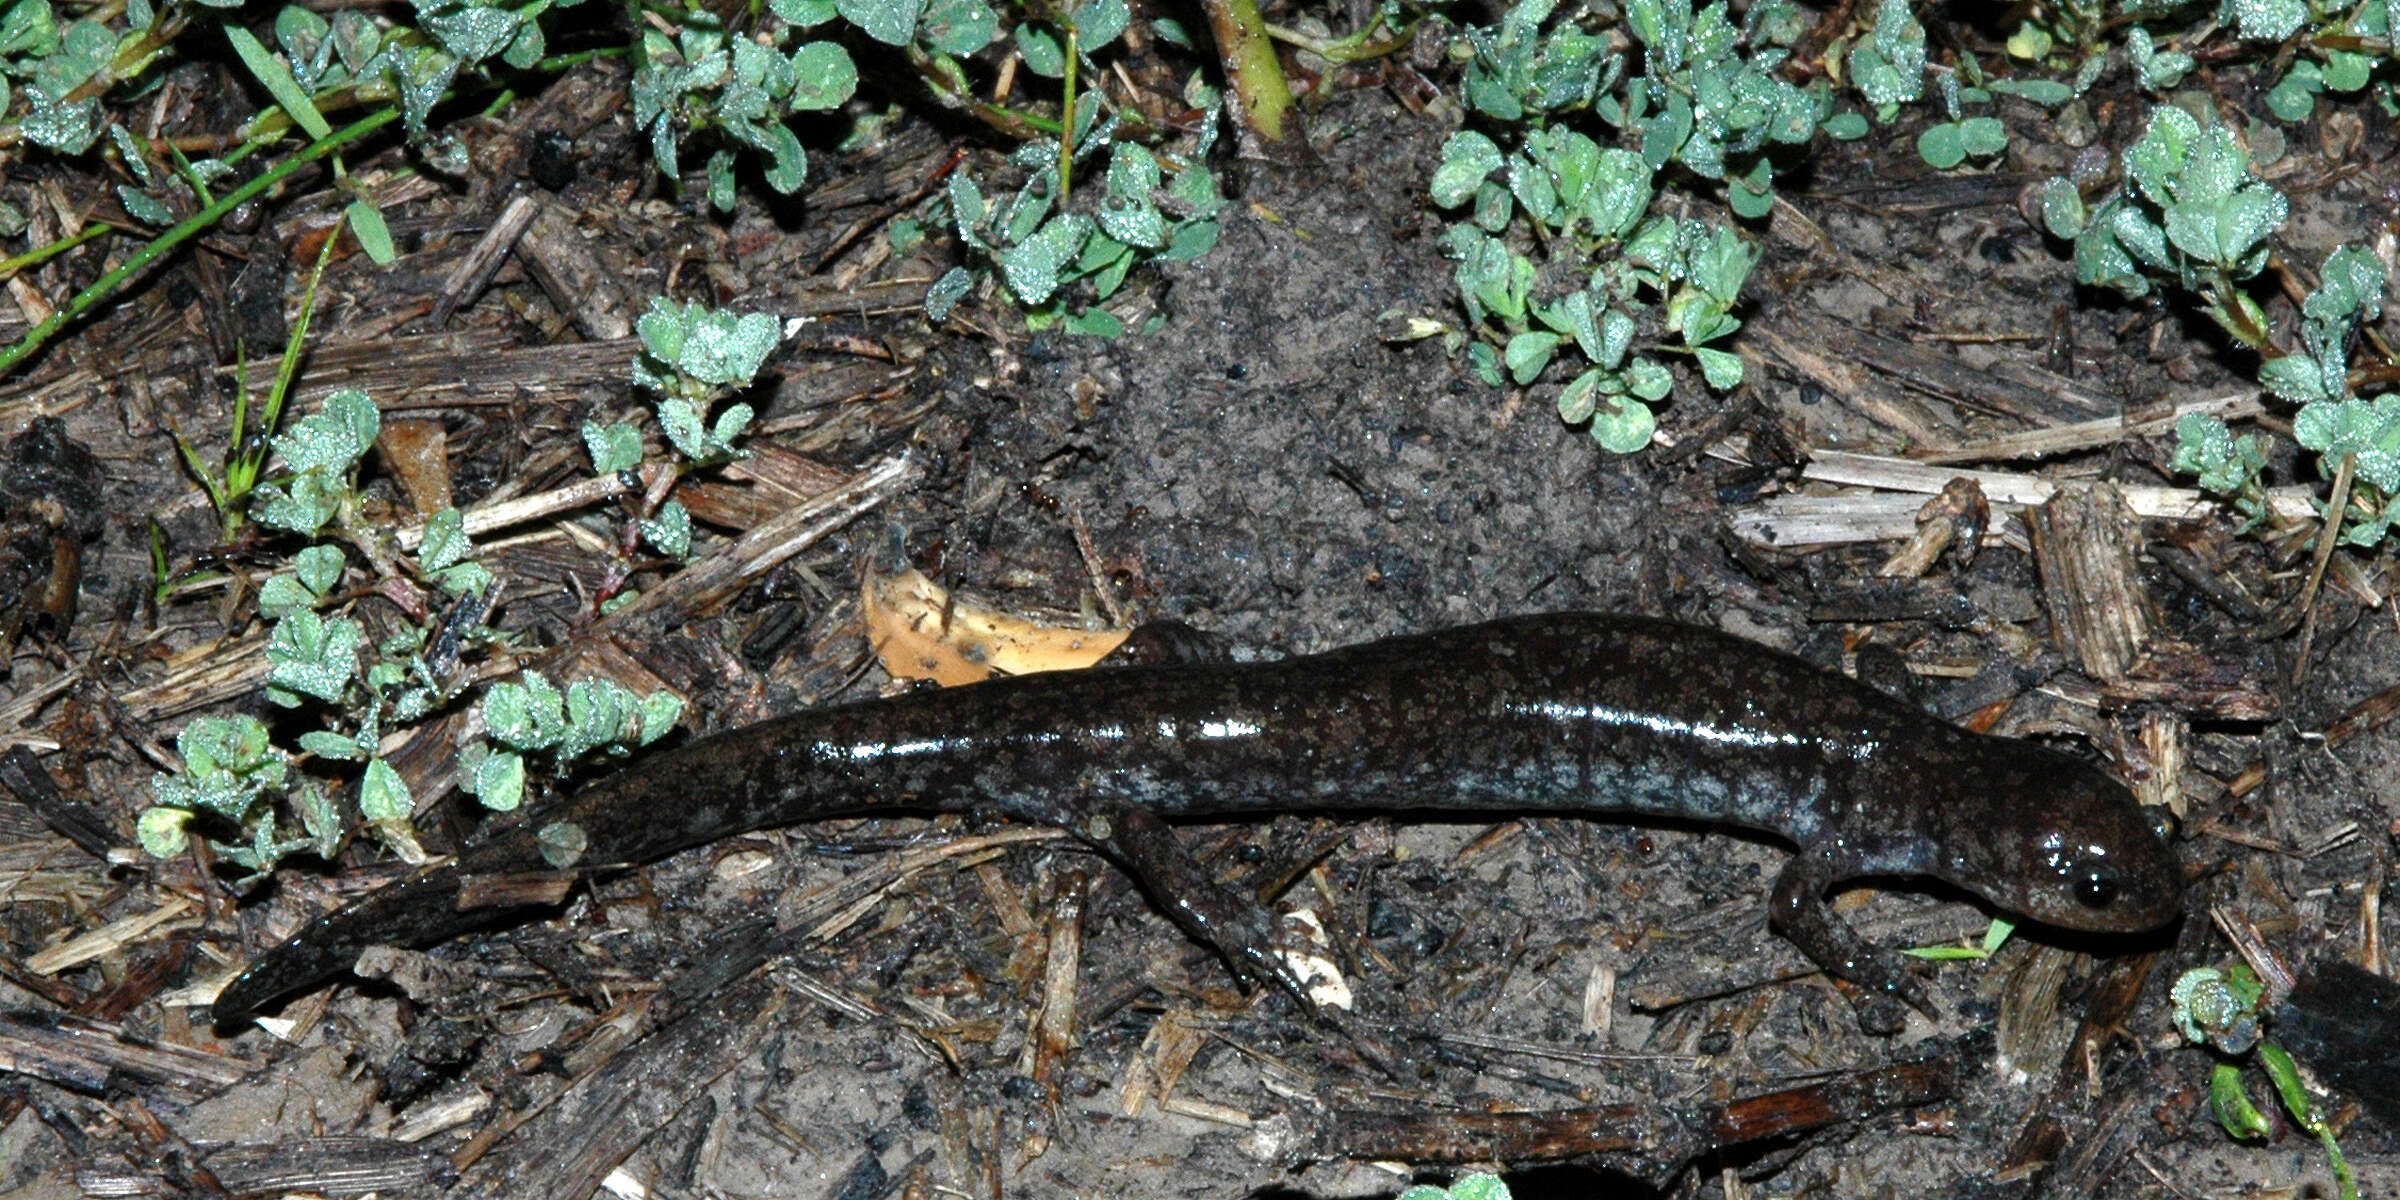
<point>414,912</point>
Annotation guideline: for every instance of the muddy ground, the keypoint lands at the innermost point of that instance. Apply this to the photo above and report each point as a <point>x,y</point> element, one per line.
<point>1265,465</point>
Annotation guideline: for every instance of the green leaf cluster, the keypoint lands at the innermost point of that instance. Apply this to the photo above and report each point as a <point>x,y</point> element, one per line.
<point>444,556</point>
<point>231,769</point>
<point>2222,1010</point>
<point>52,61</point>
<point>1059,257</point>
<point>2349,298</point>
<point>1713,98</point>
<point>312,657</point>
<point>1704,96</point>
<point>232,781</point>
<point>2188,209</point>
<point>2332,421</point>
<point>2348,49</point>
<point>1519,70</point>
<point>1474,1186</point>
<point>323,450</point>
<point>2158,70</point>
<point>693,356</point>
<point>534,717</point>
<point>1697,268</point>
<point>2263,20</point>
<point>348,58</point>
<point>2227,465</point>
<point>1567,185</point>
<point>319,658</point>
<point>1888,65</point>
<point>1053,259</point>
<point>1946,144</point>
<point>2058,33</point>
<point>742,91</point>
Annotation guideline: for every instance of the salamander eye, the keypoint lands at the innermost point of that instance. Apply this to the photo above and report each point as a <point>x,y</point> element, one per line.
<point>2097,890</point>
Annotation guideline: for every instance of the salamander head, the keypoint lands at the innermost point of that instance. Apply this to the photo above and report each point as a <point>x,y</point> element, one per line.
<point>2058,840</point>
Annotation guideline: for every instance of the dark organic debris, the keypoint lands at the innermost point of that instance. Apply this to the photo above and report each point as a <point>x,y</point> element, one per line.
<point>49,506</point>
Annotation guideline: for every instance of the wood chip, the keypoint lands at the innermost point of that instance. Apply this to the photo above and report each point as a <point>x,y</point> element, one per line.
<point>474,272</point>
<point>2085,546</point>
<point>570,271</point>
<point>1820,520</point>
<point>178,913</point>
<point>94,1056</point>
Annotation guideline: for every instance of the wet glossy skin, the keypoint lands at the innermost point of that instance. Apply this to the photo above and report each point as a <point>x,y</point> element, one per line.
<point>1563,714</point>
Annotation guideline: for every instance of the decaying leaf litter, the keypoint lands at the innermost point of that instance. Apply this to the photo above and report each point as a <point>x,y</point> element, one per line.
<point>1266,465</point>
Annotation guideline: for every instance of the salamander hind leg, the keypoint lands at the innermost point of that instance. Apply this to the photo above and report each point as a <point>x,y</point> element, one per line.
<point>1877,981</point>
<point>1233,924</point>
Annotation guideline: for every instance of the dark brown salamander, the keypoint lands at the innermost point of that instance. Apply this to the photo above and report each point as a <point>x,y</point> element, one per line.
<point>1568,713</point>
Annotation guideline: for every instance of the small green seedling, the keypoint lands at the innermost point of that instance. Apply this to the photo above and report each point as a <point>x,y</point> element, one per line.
<point>2220,1009</point>
<point>1994,936</point>
<point>235,782</point>
<point>1888,65</point>
<point>2159,70</point>
<point>323,449</point>
<point>1947,144</point>
<point>534,717</point>
<point>229,487</point>
<point>2332,421</point>
<point>1478,1186</point>
<point>232,778</point>
<point>1711,95</point>
<point>1707,96</point>
<point>2060,33</point>
<point>2188,210</point>
<point>2348,51</point>
<point>2226,465</point>
<point>741,89</point>
<point>693,357</point>
<point>1060,263</point>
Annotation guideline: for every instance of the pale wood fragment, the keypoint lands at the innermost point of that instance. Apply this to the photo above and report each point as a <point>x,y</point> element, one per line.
<point>2085,545</point>
<point>474,272</point>
<point>2087,435</point>
<point>2164,738</point>
<point>177,913</point>
<point>91,1056</point>
<point>570,271</point>
<point>1821,520</point>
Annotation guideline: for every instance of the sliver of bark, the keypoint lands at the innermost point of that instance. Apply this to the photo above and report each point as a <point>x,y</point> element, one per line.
<point>325,1165</point>
<point>1649,1140</point>
<point>2049,1137</point>
<point>98,1058</point>
<point>567,1149</point>
<point>21,773</point>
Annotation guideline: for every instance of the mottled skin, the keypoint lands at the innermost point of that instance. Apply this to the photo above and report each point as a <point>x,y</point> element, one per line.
<point>1566,713</point>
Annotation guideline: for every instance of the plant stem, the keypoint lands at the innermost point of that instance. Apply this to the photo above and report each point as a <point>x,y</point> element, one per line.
<point>41,254</point>
<point>190,227</point>
<point>1358,47</point>
<point>2335,507</point>
<point>950,91</point>
<point>1066,136</point>
<point>1250,65</point>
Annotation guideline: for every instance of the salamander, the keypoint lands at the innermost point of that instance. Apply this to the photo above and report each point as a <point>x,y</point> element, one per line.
<point>1559,714</point>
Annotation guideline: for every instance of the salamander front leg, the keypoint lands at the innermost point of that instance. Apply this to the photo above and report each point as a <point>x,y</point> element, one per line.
<point>1231,923</point>
<point>1879,979</point>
